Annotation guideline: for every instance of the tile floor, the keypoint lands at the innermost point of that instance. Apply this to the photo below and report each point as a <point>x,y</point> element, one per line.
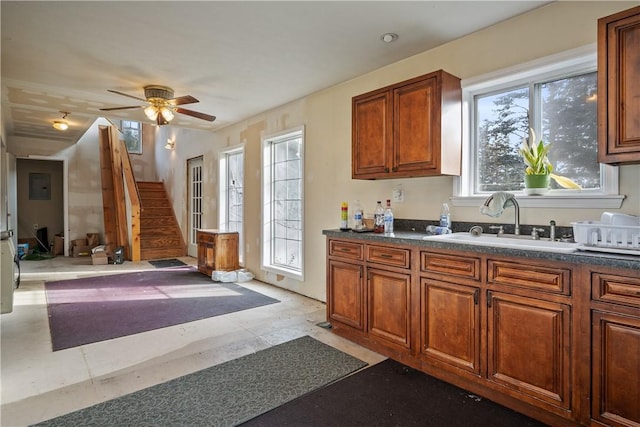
<point>38,384</point>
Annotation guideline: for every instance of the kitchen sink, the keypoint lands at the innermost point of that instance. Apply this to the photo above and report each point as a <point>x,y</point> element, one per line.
<point>506,241</point>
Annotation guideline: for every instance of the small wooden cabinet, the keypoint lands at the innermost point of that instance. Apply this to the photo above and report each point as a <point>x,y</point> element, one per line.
<point>408,129</point>
<point>619,87</point>
<point>217,251</point>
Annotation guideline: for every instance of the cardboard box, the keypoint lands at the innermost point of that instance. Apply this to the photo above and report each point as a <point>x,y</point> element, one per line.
<point>79,242</point>
<point>58,245</point>
<point>99,258</point>
<point>81,251</point>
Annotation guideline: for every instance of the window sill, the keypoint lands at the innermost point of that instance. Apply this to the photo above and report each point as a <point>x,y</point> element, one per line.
<point>587,201</point>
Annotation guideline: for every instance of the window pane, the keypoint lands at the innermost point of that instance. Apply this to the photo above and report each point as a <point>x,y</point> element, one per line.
<point>502,123</point>
<point>569,123</point>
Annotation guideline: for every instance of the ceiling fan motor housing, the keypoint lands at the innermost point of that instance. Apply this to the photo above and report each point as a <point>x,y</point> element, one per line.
<point>155,91</point>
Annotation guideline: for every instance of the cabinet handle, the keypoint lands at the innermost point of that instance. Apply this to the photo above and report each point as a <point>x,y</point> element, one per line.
<point>476,294</point>
<point>345,250</point>
<point>489,295</point>
<point>386,256</point>
<point>360,269</point>
<point>386,170</point>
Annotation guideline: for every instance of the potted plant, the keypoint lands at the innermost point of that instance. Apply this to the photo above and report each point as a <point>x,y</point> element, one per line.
<point>539,169</point>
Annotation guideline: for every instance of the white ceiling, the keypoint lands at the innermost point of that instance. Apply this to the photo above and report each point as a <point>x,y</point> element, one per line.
<point>237,58</point>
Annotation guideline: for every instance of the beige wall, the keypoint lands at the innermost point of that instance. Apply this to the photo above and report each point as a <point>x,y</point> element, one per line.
<point>327,117</point>
<point>144,165</point>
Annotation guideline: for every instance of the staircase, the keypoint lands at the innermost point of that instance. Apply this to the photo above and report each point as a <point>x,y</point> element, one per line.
<point>160,235</point>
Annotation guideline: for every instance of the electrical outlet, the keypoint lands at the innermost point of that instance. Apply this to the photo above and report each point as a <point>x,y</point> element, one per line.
<point>398,195</point>
<point>35,226</point>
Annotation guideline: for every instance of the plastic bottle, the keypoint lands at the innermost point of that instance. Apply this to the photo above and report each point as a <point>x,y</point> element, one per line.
<point>344,216</point>
<point>378,218</point>
<point>445,216</point>
<point>358,216</point>
<point>388,219</point>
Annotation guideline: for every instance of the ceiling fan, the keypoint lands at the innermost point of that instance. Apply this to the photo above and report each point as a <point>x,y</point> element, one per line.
<point>161,104</point>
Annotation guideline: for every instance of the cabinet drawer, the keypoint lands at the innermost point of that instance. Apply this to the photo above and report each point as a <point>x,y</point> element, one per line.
<point>346,249</point>
<point>455,266</point>
<point>547,279</point>
<point>613,288</point>
<point>389,256</point>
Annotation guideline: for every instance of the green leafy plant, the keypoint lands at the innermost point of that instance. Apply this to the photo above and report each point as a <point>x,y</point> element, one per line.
<point>535,157</point>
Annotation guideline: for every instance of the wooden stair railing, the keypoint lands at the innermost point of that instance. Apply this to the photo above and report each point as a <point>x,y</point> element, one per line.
<point>118,200</point>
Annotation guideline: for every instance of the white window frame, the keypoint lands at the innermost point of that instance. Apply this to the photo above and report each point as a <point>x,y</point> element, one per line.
<point>223,220</point>
<point>575,61</point>
<point>266,206</point>
<point>124,126</point>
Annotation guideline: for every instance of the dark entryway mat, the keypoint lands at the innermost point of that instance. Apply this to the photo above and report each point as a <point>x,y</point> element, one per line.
<point>88,310</point>
<point>164,263</point>
<point>391,394</point>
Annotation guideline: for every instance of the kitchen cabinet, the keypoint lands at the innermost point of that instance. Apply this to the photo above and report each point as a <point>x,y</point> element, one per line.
<point>615,347</point>
<point>408,129</point>
<point>498,326</point>
<point>450,311</point>
<point>345,284</point>
<point>217,251</point>
<point>619,87</point>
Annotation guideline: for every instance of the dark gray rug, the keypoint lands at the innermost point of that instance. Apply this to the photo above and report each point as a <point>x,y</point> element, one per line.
<point>227,394</point>
<point>165,263</point>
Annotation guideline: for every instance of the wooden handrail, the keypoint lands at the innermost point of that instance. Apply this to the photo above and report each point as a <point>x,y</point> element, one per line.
<point>134,196</point>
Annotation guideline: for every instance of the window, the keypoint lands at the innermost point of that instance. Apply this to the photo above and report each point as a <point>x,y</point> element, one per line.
<point>232,193</point>
<point>283,203</point>
<point>556,97</point>
<point>132,136</point>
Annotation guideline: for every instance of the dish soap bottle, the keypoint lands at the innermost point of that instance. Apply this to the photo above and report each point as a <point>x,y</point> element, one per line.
<point>378,218</point>
<point>445,216</point>
<point>388,219</point>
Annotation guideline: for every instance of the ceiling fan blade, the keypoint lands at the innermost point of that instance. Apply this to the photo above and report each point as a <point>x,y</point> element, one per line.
<point>126,94</point>
<point>181,100</point>
<point>196,114</point>
<point>122,108</point>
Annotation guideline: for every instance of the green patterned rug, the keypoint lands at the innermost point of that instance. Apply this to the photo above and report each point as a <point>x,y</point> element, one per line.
<point>227,394</point>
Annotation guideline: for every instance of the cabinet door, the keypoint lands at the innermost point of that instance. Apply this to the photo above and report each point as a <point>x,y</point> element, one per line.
<point>416,127</point>
<point>619,82</point>
<point>529,349</point>
<point>227,252</point>
<point>450,324</point>
<point>371,138</point>
<point>615,372</point>
<point>345,299</point>
<point>388,297</point>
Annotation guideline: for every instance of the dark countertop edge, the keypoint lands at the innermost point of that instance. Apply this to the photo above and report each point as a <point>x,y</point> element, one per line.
<point>415,239</point>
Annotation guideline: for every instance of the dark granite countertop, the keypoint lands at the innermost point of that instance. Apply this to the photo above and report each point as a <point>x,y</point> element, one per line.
<point>415,238</point>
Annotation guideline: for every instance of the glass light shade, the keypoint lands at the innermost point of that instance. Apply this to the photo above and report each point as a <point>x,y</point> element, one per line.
<point>170,144</point>
<point>60,125</point>
<point>151,112</point>
<point>166,113</point>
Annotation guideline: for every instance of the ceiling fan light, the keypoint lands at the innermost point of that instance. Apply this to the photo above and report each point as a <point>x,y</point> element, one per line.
<point>60,125</point>
<point>166,113</point>
<point>151,112</point>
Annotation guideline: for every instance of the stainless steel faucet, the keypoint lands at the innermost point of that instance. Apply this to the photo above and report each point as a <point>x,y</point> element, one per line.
<point>516,206</point>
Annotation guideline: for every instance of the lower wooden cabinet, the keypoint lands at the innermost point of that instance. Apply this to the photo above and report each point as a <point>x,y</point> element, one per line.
<point>388,306</point>
<point>345,294</point>
<point>528,348</point>
<point>615,369</point>
<point>450,325</point>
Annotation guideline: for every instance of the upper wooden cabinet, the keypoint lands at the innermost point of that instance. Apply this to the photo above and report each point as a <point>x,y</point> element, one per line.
<point>409,129</point>
<point>619,87</point>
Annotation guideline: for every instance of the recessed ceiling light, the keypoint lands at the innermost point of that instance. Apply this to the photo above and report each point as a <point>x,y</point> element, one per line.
<point>389,37</point>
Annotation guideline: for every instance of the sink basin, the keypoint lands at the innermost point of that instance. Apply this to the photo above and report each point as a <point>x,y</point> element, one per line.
<point>506,241</point>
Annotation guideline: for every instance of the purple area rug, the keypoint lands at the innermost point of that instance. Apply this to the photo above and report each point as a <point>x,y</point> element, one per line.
<point>84,311</point>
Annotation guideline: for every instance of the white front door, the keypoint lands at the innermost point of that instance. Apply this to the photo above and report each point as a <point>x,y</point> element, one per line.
<point>195,203</point>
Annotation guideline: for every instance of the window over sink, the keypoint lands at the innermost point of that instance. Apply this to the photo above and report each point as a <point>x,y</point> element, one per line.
<point>555,96</point>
